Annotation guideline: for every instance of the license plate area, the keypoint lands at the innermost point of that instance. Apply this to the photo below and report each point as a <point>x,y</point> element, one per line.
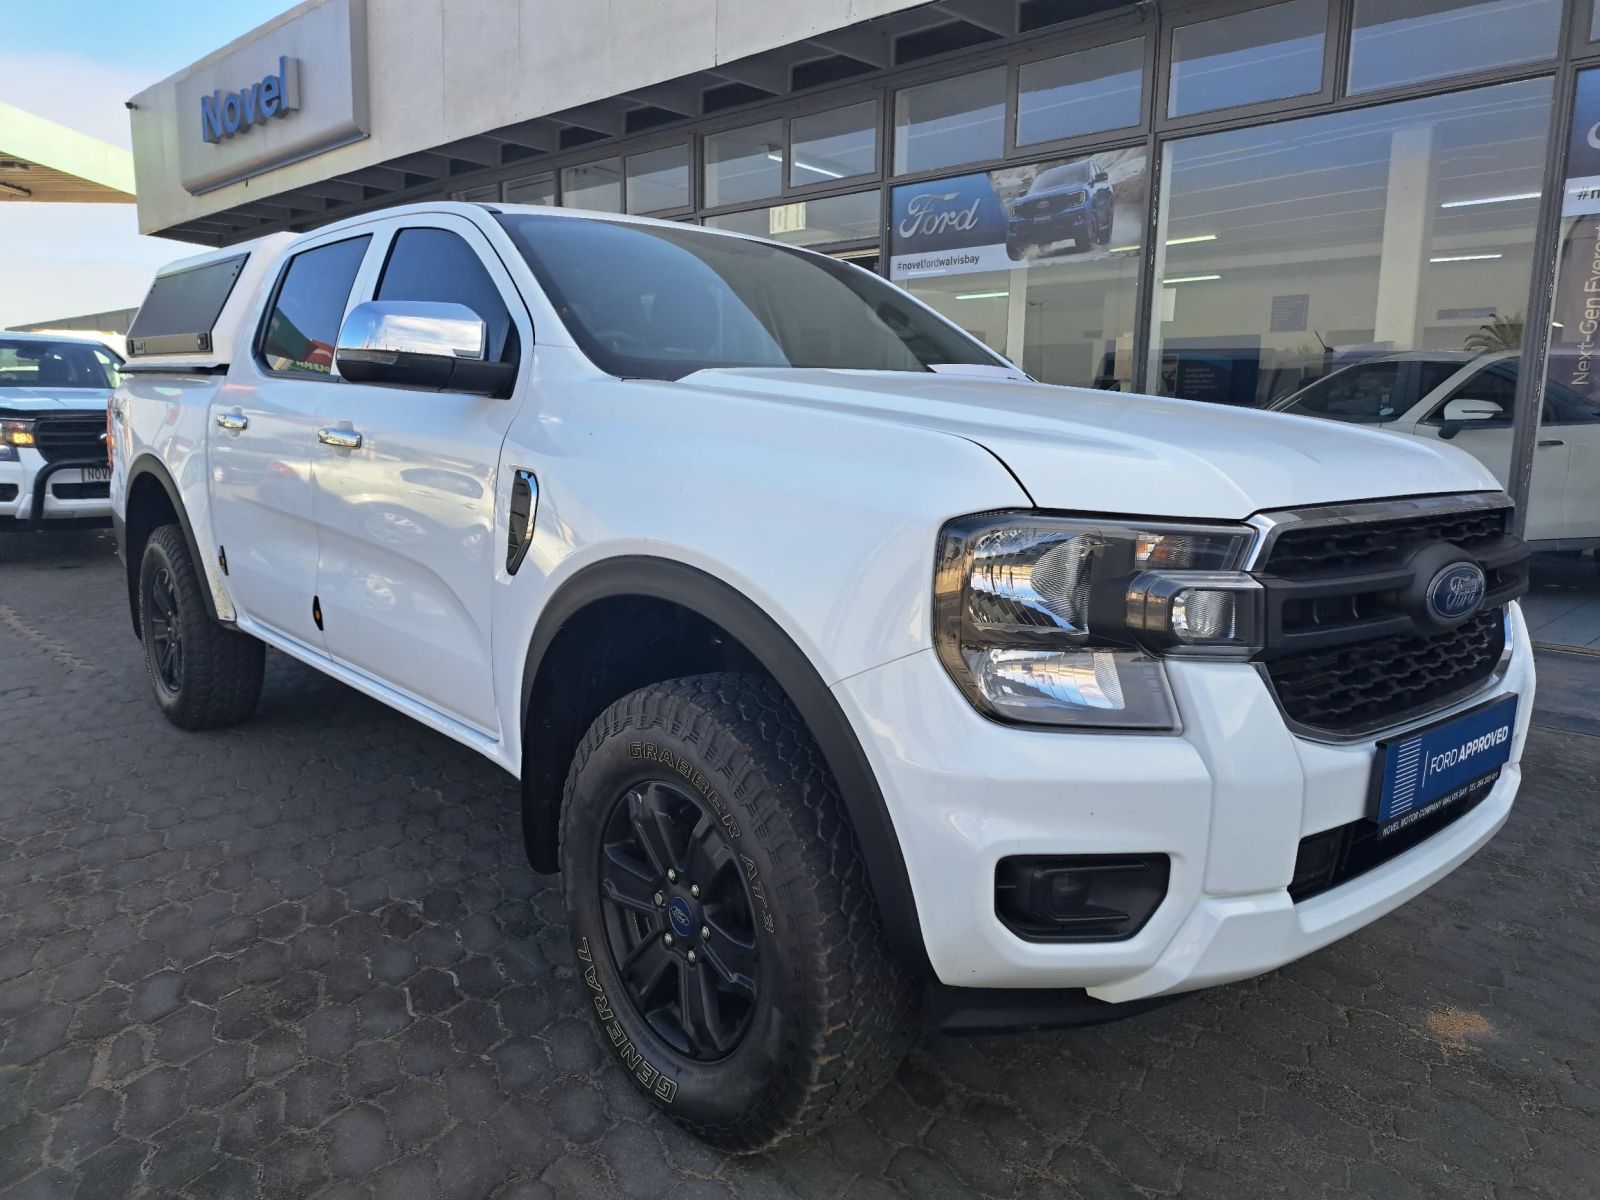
<point>1432,769</point>
<point>91,475</point>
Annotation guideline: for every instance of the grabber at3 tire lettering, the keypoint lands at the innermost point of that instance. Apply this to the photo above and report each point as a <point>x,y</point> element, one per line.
<point>204,675</point>
<point>726,936</point>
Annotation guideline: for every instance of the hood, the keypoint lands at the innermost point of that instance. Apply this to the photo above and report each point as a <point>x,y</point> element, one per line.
<point>1115,453</point>
<point>44,401</point>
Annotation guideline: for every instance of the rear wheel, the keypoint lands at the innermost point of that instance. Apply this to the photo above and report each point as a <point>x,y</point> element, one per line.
<point>721,916</point>
<point>204,675</point>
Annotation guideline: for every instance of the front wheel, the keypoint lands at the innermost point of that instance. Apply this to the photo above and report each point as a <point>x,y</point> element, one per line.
<point>204,674</point>
<point>725,932</point>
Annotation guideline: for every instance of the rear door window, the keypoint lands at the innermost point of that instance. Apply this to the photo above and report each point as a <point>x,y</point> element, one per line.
<point>303,323</point>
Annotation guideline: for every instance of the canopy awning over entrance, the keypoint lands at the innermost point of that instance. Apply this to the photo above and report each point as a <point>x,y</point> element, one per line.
<point>51,164</point>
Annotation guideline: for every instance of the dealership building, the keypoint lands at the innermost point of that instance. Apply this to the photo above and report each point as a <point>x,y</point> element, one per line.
<point>1354,209</point>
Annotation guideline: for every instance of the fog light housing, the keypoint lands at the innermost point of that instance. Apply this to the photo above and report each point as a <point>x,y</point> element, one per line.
<point>1079,897</point>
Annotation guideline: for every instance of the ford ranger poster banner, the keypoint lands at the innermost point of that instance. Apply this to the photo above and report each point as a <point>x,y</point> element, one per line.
<point>1066,210</point>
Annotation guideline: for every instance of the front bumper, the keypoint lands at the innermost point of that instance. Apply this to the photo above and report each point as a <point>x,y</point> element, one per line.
<point>1228,800</point>
<point>28,491</point>
<point>1052,226</point>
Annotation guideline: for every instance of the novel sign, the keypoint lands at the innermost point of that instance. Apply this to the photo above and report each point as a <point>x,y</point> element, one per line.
<point>224,114</point>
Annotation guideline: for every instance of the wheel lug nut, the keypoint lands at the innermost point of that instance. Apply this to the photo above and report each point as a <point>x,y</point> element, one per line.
<point>705,931</point>
<point>691,956</point>
<point>667,939</point>
<point>661,898</point>
<point>694,890</point>
<point>672,876</point>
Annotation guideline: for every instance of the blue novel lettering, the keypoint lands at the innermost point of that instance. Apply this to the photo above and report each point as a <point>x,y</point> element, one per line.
<point>224,114</point>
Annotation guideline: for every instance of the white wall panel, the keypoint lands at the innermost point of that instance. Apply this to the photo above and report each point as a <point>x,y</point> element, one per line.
<point>441,70</point>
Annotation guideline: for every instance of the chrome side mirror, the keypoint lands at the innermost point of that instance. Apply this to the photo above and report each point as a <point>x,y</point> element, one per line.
<point>422,344</point>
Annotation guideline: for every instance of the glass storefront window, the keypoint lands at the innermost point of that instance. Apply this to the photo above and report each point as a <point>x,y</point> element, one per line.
<point>1085,92</point>
<point>1594,23</point>
<point>596,185</point>
<point>658,180</point>
<point>851,218</point>
<point>534,189</point>
<point>1245,58</point>
<point>1041,262</point>
<point>834,145</point>
<point>1409,41</point>
<point>949,122</point>
<point>744,164</point>
<point>1563,506</point>
<point>1314,248</point>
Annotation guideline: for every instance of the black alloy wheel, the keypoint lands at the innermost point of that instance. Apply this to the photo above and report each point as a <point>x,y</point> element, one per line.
<point>679,920</point>
<point>204,675</point>
<point>166,629</point>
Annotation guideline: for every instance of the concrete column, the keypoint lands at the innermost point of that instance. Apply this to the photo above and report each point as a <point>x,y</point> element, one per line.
<point>1407,223</point>
<point>1016,314</point>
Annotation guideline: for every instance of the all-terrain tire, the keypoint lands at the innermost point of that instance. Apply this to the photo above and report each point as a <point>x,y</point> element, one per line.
<point>832,1014</point>
<point>215,677</point>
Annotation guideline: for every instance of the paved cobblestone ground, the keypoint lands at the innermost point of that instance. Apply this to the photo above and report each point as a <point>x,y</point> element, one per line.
<point>305,957</point>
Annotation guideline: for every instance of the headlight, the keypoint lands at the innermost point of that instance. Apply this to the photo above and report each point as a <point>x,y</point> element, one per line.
<point>16,433</point>
<point>1063,621</point>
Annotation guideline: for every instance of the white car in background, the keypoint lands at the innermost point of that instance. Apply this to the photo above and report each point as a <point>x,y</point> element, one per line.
<point>1467,399</point>
<point>53,394</point>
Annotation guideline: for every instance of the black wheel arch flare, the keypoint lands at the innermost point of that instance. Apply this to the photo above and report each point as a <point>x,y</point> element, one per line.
<point>131,525</point>
<point>744,621</point>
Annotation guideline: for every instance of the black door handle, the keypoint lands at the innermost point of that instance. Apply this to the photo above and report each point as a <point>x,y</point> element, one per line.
<point>1548,442</point>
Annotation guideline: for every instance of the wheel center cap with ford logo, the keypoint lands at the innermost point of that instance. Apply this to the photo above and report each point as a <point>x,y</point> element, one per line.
<point>1456,592</point>
<point>681,916</point>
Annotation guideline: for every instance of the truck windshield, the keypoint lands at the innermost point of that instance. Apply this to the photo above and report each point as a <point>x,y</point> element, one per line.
<point>654,302</point>
<point>29,362</point>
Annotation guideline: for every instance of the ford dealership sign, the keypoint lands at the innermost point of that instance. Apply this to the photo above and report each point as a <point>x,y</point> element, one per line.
<point>223,114</point>
<point>310,65</point>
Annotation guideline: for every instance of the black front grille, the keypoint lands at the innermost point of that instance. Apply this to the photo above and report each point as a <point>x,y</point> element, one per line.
<point>1301,551</point>
<point>1351,647</point>
<point>1339,855</point>
<point>63,439</point>
<point>1368,685</point>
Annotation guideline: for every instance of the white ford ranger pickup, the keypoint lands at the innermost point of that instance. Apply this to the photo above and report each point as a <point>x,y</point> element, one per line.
<point>855,682</point>
<point>53,392</point>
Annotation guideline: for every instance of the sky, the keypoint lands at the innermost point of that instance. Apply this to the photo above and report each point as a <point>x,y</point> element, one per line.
<point>75,62</point>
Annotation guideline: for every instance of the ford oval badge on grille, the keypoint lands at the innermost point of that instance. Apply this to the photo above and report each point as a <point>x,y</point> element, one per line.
<point>1456,592</point>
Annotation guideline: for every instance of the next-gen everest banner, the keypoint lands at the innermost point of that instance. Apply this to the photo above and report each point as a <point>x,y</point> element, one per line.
<point>1575,332</point>
<point>1017,217</point>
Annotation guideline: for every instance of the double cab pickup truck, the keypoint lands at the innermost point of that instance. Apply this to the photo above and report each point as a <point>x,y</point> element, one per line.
<point>53,393</point>
<point>854,681</point>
